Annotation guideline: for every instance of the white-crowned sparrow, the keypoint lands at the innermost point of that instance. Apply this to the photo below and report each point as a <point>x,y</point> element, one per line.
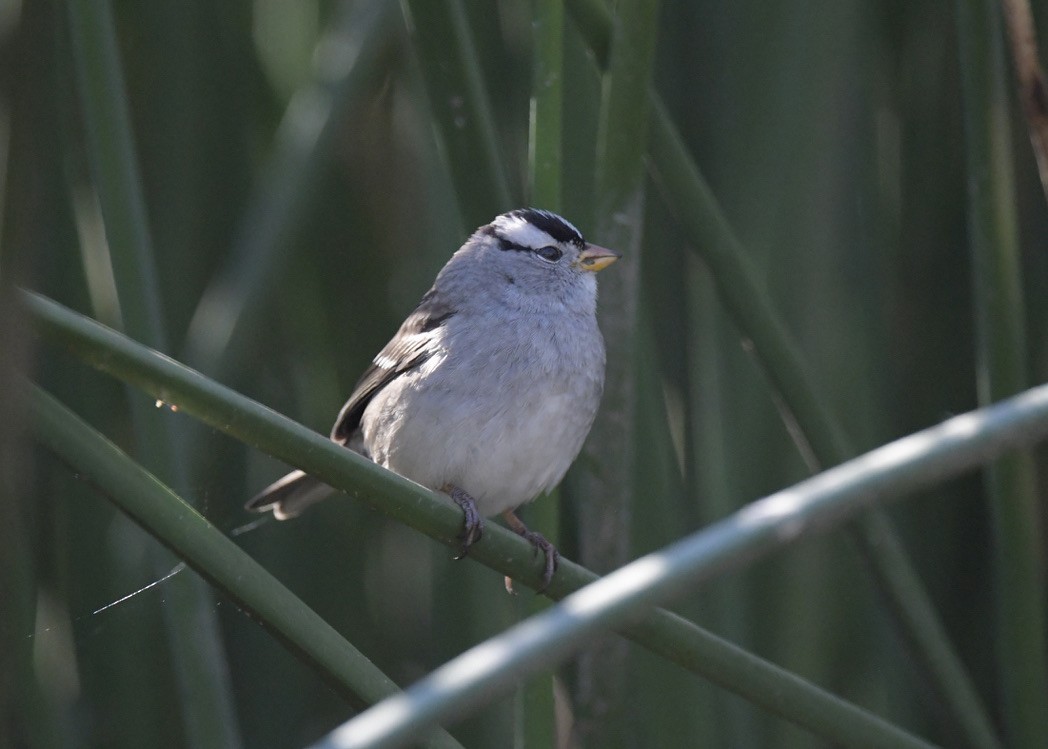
<point>491,385</point>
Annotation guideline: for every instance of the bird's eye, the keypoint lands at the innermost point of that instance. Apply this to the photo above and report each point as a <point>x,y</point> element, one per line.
<point>550,254</point>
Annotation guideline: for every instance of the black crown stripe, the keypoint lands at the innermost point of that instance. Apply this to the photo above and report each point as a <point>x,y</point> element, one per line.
<point>550,223</point>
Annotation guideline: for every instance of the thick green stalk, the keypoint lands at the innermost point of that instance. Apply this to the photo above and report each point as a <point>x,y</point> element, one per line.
<point>349,59</point>
<point>460,106</point>
<point>455,86</point>
<point>813,428</point>
<point>918,461</point>
<point>27,714</point>
<point>114,168</point>
<point>822,440</point>
<point>537,716</point>
<point>701,652</point>
<point>1002,371</point>
<point>606,494</point>
<point>209,717</point>
<point>207,550</point>
<point>545,146</point>
<point>1033,86</point>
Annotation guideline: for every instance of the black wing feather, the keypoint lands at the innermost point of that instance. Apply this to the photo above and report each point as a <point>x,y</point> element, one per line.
<point>405,351</point>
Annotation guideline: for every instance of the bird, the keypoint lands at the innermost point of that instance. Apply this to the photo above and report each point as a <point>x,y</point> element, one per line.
<point>489,388</point>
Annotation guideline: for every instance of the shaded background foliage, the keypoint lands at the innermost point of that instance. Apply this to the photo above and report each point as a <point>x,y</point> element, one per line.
<point>830,131</point>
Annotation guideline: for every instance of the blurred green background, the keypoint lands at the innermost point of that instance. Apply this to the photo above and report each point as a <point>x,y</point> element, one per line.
<point>289,247</point>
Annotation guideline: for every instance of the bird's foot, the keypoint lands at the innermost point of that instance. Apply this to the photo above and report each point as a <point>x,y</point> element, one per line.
<point>473,524</point>
<point>540,542</point>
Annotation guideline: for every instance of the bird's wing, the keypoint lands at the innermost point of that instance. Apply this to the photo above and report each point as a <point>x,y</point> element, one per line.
<point>408,349</point>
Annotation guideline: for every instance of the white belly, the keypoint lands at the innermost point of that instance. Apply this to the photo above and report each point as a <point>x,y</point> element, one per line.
<point>437,426</point>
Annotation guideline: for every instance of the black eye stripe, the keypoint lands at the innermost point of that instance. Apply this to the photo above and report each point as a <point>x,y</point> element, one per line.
<point>549,253</point>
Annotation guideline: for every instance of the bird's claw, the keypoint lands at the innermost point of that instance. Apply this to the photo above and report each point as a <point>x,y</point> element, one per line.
<point>549,551</point>
<point>473,529</point>
<point>541,543</point>
<point>473,522</point>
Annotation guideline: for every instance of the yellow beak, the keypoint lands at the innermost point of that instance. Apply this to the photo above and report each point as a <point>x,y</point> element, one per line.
<point>595,258</point>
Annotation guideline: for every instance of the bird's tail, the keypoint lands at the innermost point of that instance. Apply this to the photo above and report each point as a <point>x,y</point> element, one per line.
<point>289,496</point>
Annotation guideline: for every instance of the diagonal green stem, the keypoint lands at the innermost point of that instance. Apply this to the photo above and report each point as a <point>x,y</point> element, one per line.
<point>891,471</point>
<point>695,649</point>
<point>822,439</point>
<point>208,551</point>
